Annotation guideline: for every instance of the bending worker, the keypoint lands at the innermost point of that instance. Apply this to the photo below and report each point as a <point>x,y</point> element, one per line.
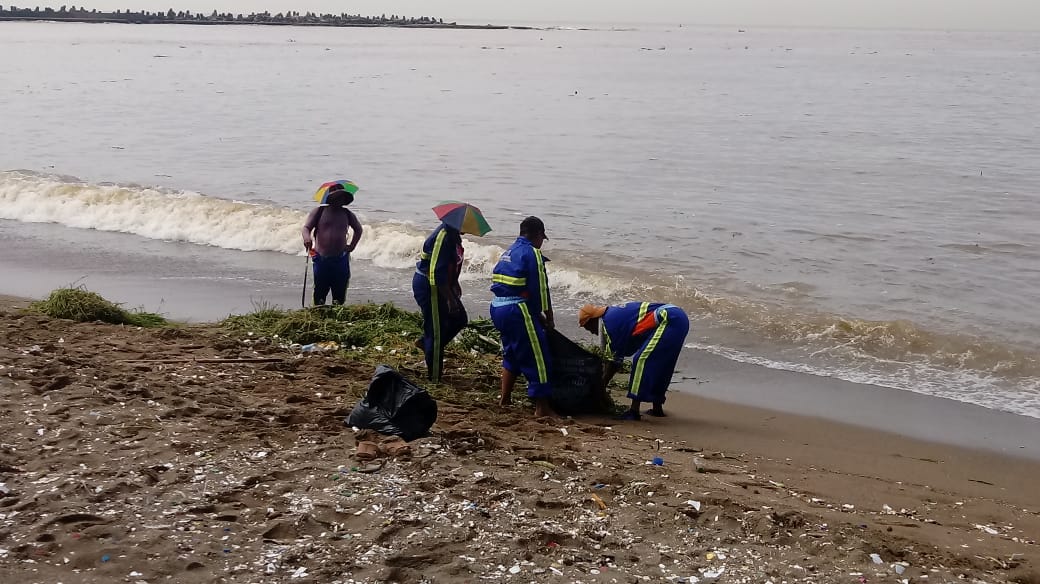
<point>521,310</point>
<point>653,334</point>
<point>436,289</point>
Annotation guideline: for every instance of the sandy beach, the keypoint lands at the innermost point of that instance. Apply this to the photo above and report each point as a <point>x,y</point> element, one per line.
<point>193,454</point>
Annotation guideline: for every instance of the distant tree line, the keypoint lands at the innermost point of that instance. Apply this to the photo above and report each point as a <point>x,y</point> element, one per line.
<point>187,17</point>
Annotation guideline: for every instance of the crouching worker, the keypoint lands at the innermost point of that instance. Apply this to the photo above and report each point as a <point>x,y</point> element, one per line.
<point>653,334</point>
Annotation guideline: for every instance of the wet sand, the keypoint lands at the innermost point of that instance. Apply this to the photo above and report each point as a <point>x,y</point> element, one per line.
<point>124,454</point>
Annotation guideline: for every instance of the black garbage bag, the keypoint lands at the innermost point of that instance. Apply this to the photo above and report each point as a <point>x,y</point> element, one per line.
<point>576,377</point>
<point>393,405</point>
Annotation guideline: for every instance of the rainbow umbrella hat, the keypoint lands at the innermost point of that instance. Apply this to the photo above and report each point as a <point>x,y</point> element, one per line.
<point>323,191</point>
<point>462,216</point>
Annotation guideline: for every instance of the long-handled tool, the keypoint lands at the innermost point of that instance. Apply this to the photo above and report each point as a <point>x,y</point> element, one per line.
<point>306,269</point>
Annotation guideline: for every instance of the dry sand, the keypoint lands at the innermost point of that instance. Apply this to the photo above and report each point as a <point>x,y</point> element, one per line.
<point>124,458</point>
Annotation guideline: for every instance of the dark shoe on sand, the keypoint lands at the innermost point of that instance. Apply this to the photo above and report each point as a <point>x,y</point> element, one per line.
<point>629,416</point>
<point>656,413</point>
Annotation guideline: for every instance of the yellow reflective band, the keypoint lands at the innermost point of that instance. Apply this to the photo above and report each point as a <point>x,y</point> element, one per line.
<point>435,316</point>
<point>431,271</point>
<point>539,360</point>
<point>637,370</point>
<point>543,280</point>
<point>508,280</point>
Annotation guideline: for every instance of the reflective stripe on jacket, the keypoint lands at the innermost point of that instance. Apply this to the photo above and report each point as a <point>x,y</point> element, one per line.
<point>442,250</point>
<point>521,272</point>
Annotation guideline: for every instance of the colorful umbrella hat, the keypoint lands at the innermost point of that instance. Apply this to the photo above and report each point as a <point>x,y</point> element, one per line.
<point>462,216</point>
<point>323,191</point>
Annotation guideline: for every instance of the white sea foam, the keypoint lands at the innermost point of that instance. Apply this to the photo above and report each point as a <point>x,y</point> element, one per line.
<point>184,216</point>
<point>960,385</point>
<point>149,212</point>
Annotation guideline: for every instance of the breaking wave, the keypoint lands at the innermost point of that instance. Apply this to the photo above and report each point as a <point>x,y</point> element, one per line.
<point>895,353</point>
<point>185,216</point>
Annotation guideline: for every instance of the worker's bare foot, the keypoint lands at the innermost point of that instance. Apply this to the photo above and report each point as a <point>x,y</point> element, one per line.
<point>656,412</point>
<point>505,400</point>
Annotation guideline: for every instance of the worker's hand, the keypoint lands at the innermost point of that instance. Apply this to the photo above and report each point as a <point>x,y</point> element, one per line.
<point>350,247</point>
<point>308,245</point>
<point>547,320</point>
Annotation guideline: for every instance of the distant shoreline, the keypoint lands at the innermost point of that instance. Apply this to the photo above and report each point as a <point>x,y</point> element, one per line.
<point>265,23</point>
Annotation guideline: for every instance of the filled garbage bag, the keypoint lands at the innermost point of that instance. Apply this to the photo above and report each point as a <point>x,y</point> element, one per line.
<point>395,406</point>
<point>576,377</point>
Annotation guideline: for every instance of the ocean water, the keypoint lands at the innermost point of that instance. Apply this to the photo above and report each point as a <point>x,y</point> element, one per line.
<point>855,204</point>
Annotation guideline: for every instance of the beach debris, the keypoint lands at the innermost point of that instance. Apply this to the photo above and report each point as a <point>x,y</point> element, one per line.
<point>987,529</point>
<point>321,347</point>
<point>657,461</point>
<point>712,573</point>
<point>222,456</point>
<point>876,559</point>
<point>599,501</point>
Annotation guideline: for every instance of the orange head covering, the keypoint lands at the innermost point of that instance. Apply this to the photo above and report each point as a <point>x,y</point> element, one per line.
<point>589,312</point>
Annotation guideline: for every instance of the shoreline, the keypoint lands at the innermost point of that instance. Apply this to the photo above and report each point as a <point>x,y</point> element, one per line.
<point>915,416</point>
<point>262,23</point>
<point>156,277</point>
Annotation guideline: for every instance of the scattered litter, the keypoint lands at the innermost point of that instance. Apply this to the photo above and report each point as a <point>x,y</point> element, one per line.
<point>711,574</point>
<point>987,529</point>
<point>876,559</point>
<point>319,347</point>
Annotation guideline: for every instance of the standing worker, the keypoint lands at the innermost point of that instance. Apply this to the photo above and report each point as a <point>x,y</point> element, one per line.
<point>521,310</point>
<point>653,334</point>
<point>330,223</point>
<point>436,289</point>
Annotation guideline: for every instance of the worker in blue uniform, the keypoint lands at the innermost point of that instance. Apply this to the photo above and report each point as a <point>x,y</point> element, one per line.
<point>521,311</point>
<point>436,289</point>
<point>653,334</point>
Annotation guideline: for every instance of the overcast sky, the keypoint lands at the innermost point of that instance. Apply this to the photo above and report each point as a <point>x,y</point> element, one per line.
<point>930,14</point>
